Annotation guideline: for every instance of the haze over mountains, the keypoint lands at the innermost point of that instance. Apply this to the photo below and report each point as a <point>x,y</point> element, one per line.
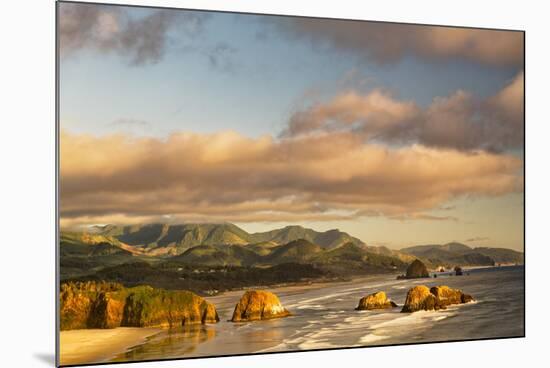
<point>461,254</point>
<point>227,244</point>
<point>175,239</point>
<point>209,257</point>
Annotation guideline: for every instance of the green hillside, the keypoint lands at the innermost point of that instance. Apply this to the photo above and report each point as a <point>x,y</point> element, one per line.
<point>328,239</point>
<point>157,253</point>
<point>168,239</point>
<point>226,255</point>
<point>263,248</point>
<point>299,251</point>
<point>204,280</point>
<point>353,259</point>
<point>502,255</point>
<point>81,255</point>
<point>460,254</point>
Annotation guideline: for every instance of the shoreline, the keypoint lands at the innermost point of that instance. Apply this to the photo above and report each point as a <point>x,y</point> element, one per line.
<point>342,279</point>
<point>309,283</point>
<point>89,346</point>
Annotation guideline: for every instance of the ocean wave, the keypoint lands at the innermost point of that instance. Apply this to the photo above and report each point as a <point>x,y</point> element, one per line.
<point>311,306</point>
<point>312,344</point>
<point>331,316</point>
<point>365,327</point>
<point>371,286</point>
<point>370,338</point>
<point>311,300</point>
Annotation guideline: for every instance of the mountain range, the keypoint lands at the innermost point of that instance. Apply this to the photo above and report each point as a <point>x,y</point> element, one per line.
<point>460,254</point>
<point>222,245</point>
<point>175,239</point>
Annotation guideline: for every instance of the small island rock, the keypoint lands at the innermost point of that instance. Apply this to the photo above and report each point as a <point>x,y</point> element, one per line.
<point>446,296</point>
<point>417,269</point>
<point>258,305</point>
<point>438,297</point>
<point>377,300</point>
<point>419,298</point>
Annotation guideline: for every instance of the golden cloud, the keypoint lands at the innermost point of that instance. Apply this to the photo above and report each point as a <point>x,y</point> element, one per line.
<point>230,177</point>
<point>458,121</point>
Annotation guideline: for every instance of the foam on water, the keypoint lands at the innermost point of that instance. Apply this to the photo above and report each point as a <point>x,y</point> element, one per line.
<point>311,306</point>
<point>325,318</point>
<point>370,338</point>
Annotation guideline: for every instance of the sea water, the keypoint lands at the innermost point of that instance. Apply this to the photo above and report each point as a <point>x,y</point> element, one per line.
<point>324,317</point>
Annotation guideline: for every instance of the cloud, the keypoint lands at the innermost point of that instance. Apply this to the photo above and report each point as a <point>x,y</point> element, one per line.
<point>423,216</point>
<point>477,239</point>
<point>229,177</point>
<point>458,121</point>
<point>142,40</point>
<point>220,57</point>
<point>387,43</point>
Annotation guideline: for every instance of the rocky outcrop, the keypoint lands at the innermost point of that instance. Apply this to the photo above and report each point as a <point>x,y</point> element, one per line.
<point>446,296</point>
<point>80,302</point>
<point>377,300</point>
<point>419,298</point>
<point>107,310</point>
<point>438,297</point>
<point>417,269</point>
<point>148,307</point>
<point>258,305</point>
<point>110,305</point>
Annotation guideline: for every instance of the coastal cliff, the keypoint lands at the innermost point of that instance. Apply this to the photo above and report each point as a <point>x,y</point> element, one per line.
<point>110,305</point>
<point>148,307</point>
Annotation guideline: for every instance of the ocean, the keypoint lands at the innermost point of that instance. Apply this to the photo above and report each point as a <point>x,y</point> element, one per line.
<point>324,317</point>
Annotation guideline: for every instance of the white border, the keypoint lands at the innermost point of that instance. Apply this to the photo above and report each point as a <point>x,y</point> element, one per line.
<point>27,152</point>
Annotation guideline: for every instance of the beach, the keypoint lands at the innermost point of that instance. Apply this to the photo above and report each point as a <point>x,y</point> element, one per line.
<point>100,345</point>
<point>323,316</point>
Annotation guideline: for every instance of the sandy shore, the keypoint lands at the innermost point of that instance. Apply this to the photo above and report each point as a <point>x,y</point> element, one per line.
<point>94,346</point>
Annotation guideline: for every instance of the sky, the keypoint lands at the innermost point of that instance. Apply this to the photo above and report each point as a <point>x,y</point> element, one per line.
<point>397,134</point>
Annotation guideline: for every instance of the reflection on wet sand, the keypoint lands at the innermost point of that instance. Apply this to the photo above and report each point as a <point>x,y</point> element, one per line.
<point>325,317</point>
<point>255,336</point>
<point>170,343</point>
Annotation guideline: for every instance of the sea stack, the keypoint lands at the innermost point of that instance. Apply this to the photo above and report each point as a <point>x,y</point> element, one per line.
<point>110,305</point>
<point>419,298</point>
<point>258,305</point>
<point>148,307</point>
<point>377,300</point>
<point>416,270</point>
<point>438,297</point>
<point>447,296</point>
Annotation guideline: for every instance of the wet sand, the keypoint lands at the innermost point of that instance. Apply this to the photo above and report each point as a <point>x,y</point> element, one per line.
<point>324,317</point>
<point>94,346</point>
